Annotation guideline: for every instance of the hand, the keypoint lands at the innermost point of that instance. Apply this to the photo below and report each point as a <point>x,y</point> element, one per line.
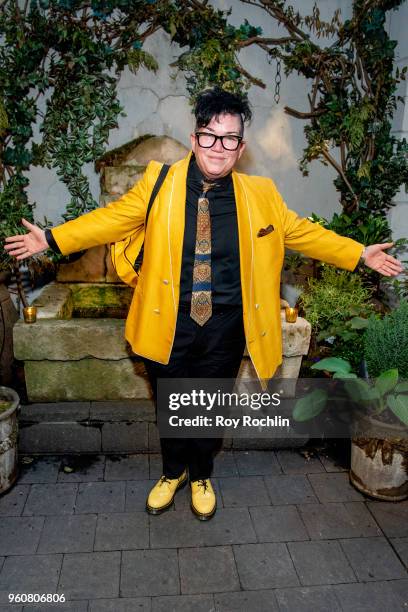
<point>26,245</point>
<point>375,258</point>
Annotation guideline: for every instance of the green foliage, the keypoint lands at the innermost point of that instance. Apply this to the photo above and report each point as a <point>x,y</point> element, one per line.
<point>337,305</point>
<point>353,96</point>
<point>384,392</point>
<point>70,54</point>
<point>386,342</point>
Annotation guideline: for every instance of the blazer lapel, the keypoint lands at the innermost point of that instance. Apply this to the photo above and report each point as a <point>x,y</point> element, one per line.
<point>246,246</point>
<point>176,222</point>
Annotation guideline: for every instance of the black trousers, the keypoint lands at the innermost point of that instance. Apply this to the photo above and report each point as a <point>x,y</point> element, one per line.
<point>213,350</point>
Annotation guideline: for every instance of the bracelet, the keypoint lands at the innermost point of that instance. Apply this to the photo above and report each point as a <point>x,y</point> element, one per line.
<point>363,255</point>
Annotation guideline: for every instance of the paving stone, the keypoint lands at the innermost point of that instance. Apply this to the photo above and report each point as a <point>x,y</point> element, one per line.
<point>225,464</point>
<point>257,463</point>
<point>244,491</point>
<point>81,437</point>
<point>338,520</point>
<point>129,410</point>
<point>94,497</point>
<point>264,566</point>
<point>40,469</point>
<point>401,546</point>
<point>85,468</point>
<point>122,531</point>
<point>68,534</point>
<point>153,438</point>
<point>12,502</point>
<point>127,467</point>
<point>290,489</point>
<point>90,575</point>
<point>149,572</point>
<point>123,604</point>
<point>208,570</point>
<point>293,462</point>
<point>68,606</point>
<point>331,465</point>
<point>19,535</point>
<point>125,437</point>
<point>51,499</point>
<point>55,411</point>
<point>29,574</point>
<point>373,559</point>
<point>400,592</point>
<point>228,526</point>
<point>392,517</point>
<point>278,523</point>
<point>136,494</point>
<point>183,603</point>
<point>155,465</point>
<point>11,608</point>
<point>307,599</point>
<point>369,596</point>
<point>320,563</point>
<point>334,488</point>
<point>259,601</point>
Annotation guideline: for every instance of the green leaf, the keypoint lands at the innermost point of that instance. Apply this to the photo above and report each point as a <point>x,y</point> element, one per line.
<point>401,387</point>
<point>358,323</point>
<point>332,364</point>
<point>310,406</point>
<point>399,406</point>
<point>344,375</point>
<point>386,381</point>
<point>358,390</point>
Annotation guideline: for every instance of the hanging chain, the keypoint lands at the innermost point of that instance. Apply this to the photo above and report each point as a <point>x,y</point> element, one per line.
<point>278,80</point>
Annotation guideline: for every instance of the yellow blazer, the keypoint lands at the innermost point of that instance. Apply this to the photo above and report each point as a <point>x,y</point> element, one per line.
<point>151,321</point>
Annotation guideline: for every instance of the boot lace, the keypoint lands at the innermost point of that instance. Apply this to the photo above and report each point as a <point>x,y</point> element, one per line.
<point>164,479</point>
<point>203,483</point>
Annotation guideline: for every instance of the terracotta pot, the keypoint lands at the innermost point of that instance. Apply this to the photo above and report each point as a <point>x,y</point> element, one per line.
<point>379,460</point>
<point>8,438</point>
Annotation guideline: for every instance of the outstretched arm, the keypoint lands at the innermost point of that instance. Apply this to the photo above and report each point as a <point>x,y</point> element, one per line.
<point>22,246</point>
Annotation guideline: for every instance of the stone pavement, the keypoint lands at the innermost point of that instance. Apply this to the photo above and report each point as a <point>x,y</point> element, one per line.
<point>290,534</point>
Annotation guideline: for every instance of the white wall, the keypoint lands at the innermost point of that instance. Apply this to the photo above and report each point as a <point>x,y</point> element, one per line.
<point>397,29</point>
<point>158,104</point>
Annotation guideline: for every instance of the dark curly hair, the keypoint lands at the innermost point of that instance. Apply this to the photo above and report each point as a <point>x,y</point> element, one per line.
<point>216,101</point>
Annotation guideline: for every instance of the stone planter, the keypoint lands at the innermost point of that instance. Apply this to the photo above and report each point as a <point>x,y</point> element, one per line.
<point>9,403</point>
<point>379,460</point>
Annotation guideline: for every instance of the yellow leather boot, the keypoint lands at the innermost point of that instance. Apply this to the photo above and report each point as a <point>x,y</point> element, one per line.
<point>162,495</point>
<point>203,500</point>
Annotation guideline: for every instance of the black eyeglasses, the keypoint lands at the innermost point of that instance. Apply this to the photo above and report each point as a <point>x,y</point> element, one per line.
<point>230,142</point>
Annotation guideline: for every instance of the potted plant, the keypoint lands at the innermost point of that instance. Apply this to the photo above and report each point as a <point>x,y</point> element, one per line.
<point>379,450</point>
<point>9,404</point>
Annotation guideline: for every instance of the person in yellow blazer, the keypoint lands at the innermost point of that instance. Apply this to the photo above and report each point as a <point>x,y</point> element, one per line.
<point>239,288</point>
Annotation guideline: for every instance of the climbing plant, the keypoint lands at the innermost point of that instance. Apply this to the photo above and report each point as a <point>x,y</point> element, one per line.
<point>60,61</point>
<point>352,98</point>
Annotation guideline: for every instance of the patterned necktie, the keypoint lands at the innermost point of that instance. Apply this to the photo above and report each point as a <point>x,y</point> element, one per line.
<point>201,308</point>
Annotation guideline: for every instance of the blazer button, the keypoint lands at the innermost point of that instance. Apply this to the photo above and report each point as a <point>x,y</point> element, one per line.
<point>165,281</point>
<point>256,306</point>
<point>263,333</point>
<point>156,311</point>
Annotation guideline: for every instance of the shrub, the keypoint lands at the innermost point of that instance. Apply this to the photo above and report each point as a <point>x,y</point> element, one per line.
<point>386,342</point>
<point>337,305</point>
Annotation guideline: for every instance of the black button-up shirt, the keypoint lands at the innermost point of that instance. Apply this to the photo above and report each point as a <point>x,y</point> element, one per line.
<point>225,268</point>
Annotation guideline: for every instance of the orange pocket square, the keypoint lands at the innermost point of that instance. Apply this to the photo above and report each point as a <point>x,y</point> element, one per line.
<point>264,231</point>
